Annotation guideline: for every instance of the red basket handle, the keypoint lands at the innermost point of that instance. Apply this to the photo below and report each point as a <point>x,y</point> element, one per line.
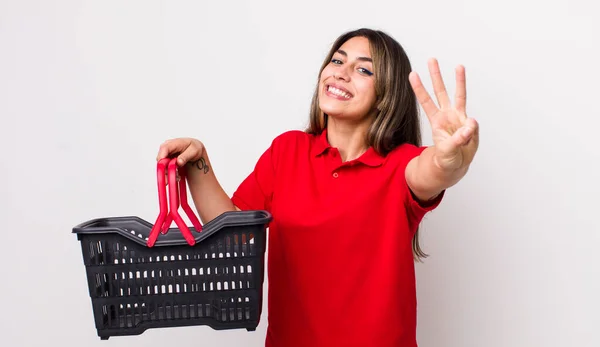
<point>166,216</point>
<point>184,201</point>
<point>162,199</point>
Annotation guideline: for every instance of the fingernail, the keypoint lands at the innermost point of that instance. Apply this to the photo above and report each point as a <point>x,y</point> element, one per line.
<point>467,131</point>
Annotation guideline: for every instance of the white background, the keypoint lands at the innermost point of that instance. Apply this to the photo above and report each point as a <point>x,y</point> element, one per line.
<point>88,91</point>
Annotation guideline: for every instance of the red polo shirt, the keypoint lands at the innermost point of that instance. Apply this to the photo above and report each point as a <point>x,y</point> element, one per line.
<point>340,263</point>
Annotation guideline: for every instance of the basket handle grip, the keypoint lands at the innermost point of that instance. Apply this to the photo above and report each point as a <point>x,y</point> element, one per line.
<point>184,201</point>
<point>162,200</point>
<point>167,215</point>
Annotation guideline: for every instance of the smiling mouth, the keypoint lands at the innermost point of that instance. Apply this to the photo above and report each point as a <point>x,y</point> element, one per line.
<point>338,92</point>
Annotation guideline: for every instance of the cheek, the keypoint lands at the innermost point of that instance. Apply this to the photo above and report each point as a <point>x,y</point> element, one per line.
<point>368,90</point>
<point>325,75</point>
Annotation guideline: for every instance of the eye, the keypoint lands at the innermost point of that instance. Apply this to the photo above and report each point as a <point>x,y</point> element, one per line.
<point>364,71</point>
<point>336,61</point>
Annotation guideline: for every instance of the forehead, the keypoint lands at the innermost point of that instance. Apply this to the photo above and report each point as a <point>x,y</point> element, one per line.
<point>357,47</point>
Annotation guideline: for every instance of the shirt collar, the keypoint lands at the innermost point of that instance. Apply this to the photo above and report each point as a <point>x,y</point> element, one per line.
<point>321,146</point>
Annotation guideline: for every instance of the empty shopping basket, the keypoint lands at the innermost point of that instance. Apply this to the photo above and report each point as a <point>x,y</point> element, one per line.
<point>142,275</point>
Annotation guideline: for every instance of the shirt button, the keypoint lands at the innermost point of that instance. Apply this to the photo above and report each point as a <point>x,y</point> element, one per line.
<point>335,175</point>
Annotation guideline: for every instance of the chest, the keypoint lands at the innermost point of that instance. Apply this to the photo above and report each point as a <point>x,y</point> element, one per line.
<point>324,193</point>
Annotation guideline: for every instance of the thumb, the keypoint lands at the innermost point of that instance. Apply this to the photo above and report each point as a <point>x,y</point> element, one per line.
<point>449,147</point>
<point>463,135</point>
<point>191,153</point>
<point>466,133</point>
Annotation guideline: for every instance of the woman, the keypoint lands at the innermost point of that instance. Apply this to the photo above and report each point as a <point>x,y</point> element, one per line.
<point>347,196</point>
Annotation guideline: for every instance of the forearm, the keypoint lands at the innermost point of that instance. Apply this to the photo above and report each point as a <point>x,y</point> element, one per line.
<point>209,197</point>
<point>427,180</point>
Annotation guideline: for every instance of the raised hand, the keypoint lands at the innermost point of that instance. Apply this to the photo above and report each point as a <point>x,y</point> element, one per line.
<point>455,136</point>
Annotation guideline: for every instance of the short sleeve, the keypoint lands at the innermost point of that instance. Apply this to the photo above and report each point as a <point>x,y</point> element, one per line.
<point>256,190</point>
<point>416,208</point>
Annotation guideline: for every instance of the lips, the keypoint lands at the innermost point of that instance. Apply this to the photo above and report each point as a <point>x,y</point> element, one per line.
<point>338,92</point>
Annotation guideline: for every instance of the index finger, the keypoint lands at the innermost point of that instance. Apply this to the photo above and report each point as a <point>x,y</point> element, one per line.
<point>422,96</point>
<point>438,83</point>
<point>163,150</point>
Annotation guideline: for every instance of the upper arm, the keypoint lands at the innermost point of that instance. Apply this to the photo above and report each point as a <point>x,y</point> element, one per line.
<point>410,171</point>
<point>256,190</point>
<point>411,175</point>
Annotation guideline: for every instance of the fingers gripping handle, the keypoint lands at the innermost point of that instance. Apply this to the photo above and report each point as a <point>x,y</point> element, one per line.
<point>177,195</point>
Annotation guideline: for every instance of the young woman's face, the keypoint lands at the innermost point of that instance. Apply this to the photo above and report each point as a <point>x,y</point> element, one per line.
<point>347,84</point>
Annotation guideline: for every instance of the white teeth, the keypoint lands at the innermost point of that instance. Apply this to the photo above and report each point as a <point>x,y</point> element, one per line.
<point>339,92</point>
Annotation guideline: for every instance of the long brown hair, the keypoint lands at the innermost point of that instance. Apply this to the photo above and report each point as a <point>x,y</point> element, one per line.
<point>397,119</point>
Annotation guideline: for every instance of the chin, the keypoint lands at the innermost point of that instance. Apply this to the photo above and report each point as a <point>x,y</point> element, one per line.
<point>333,111</point>
<point>337,114</point>
<point>332,107</point>
<point>344,115</point>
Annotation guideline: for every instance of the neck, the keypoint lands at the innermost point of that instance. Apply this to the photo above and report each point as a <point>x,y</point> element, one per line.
<point>349,139</point>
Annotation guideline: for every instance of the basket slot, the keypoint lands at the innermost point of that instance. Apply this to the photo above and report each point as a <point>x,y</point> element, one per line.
<point>108,316</point>
<point>126,315</point>
<point>234,309</point>
<point>149,310</point>
<point>102,285</point>
<point>123,255</point>
<point>97,254</point>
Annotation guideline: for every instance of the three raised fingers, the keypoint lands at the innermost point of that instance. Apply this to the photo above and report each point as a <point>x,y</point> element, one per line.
<point>441,93</point>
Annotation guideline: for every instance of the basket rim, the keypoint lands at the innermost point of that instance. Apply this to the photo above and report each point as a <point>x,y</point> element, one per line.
<point>106,225</point>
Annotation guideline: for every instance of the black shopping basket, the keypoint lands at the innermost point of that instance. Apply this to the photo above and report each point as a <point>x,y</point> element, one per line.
<point>203,275</point>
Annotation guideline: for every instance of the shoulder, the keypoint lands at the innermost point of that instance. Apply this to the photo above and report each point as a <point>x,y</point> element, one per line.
<point>292,139</point>
<point>292,135</point>
<point>404,153</point>
<point>288,147</point>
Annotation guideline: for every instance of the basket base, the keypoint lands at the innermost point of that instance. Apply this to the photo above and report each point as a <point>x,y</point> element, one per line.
<point>129,316</point>
<point>105,334</point>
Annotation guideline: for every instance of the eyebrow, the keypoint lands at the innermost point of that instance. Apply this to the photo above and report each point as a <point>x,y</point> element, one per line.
<point>359,58</point>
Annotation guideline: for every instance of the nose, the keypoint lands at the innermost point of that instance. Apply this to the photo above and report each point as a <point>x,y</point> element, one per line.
<point>341,74</point>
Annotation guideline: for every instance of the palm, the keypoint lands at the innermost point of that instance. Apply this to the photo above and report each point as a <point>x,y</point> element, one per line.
<point>455,136</point>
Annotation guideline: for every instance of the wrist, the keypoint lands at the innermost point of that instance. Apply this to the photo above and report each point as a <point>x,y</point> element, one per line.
<point>200,166</point>
<point>439,172</point>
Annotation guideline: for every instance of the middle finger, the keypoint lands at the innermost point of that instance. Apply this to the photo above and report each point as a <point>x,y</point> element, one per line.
<point>438,84</point>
